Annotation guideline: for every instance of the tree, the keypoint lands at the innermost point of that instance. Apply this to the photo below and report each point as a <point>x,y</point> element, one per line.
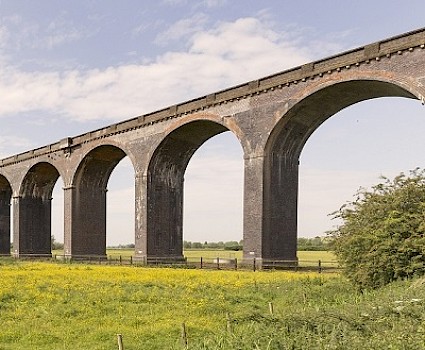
<point>312,244</point>
<point>55,245</point>
<point>382,237</point>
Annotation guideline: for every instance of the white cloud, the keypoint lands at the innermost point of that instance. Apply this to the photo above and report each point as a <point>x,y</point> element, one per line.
<point>10,143</point>
<point>4,36</point>
<point>230,53</point>
<point>182,28</point>
<point>174,2</point>
<point>213,3</point>
<point>60,32</point>
<point>24,34</point>
<point>203,3</point>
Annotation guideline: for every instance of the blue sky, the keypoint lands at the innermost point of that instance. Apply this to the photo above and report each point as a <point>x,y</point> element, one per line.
<point>67,67</point>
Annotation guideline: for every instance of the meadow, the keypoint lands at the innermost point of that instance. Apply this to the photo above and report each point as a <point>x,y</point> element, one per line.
<point>75,306</point>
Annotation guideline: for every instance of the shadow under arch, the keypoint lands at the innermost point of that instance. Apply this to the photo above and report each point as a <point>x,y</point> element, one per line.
<point>284,146</point>
<point>165,178</point>
<point>32,211</point>
<point>5,198</point>
<point>86,235</point>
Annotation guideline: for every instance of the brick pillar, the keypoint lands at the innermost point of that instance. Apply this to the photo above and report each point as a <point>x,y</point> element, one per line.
<point>270,209</point>
<point>69,202</point>
<point>5,223</point>
<point>85,221</point>
<point>141,244</point>
<point>253,208</point>
<point>31,226</point>
<point>280,208</point>
<point>165,218</point>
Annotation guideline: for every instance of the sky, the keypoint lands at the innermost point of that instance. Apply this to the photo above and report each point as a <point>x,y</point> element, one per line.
<point>68,67</point>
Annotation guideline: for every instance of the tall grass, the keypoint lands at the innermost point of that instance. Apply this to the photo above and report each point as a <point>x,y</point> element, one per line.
<point>59,306</point>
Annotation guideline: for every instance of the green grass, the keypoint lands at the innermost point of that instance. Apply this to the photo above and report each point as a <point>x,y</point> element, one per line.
<point>61,306</point>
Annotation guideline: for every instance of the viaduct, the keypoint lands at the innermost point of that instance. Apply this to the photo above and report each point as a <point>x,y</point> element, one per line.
<point>271,117</point>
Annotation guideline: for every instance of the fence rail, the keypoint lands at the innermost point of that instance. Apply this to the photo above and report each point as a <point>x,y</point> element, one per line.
<point>218,263</point>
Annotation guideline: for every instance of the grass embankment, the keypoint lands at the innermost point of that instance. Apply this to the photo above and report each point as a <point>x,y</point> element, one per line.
<point>59,306</point>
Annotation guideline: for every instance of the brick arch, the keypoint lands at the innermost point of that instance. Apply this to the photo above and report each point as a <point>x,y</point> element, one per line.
<point>165,178</point>
<point>227,123</point>
<point>95,147</point>
<point>33,224</point>
<point>87,235</point>
<point>318,103</point>
<point>286,141</point>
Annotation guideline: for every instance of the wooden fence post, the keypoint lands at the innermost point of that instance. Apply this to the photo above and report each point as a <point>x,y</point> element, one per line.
<point>120,343</point>
<point>228,323</point>
<point>184,336</point>
<point>271,308</point>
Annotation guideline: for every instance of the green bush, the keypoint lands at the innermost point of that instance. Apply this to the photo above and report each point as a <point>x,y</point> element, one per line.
<point>382,235</point>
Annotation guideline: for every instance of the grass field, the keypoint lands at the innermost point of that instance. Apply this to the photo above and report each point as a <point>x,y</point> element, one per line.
<point>62,306</point>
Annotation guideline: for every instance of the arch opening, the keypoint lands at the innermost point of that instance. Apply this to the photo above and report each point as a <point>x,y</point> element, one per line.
<point>58,216</point>
<point>120,206</point>
<point>5,201</point>
<point>89,191</point>
<point>283,149</point>
<point>33,211</point>
<point>165,187</point>
<point>213,193</point>
<point>378,137</point>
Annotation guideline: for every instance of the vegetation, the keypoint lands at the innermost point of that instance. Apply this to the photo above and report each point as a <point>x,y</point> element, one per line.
<point>55,244</point>
<point>61,306</point>
<point>312,244</point>
<point>304,244</point>
<point>382,237</point>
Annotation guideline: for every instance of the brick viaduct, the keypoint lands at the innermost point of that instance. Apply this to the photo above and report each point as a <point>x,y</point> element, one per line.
<point>272,118</point>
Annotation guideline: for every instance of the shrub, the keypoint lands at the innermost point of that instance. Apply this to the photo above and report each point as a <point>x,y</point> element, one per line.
<point>382,237</point>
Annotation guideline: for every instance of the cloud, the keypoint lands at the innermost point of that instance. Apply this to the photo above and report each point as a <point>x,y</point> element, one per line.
<point>10,143</point>
<point>4,36</point>
<point>203,3</point>
<point>61,31</point>
<point>174,2</point>
<point>228,54</point>
<point>182,29</point>
<point>213,3</point>
<point>23,33</point>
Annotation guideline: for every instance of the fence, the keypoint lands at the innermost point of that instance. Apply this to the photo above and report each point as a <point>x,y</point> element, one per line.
<point>218,263</point>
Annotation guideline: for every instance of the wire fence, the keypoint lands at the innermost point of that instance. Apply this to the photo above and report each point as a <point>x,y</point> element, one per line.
<point>217,263</point>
